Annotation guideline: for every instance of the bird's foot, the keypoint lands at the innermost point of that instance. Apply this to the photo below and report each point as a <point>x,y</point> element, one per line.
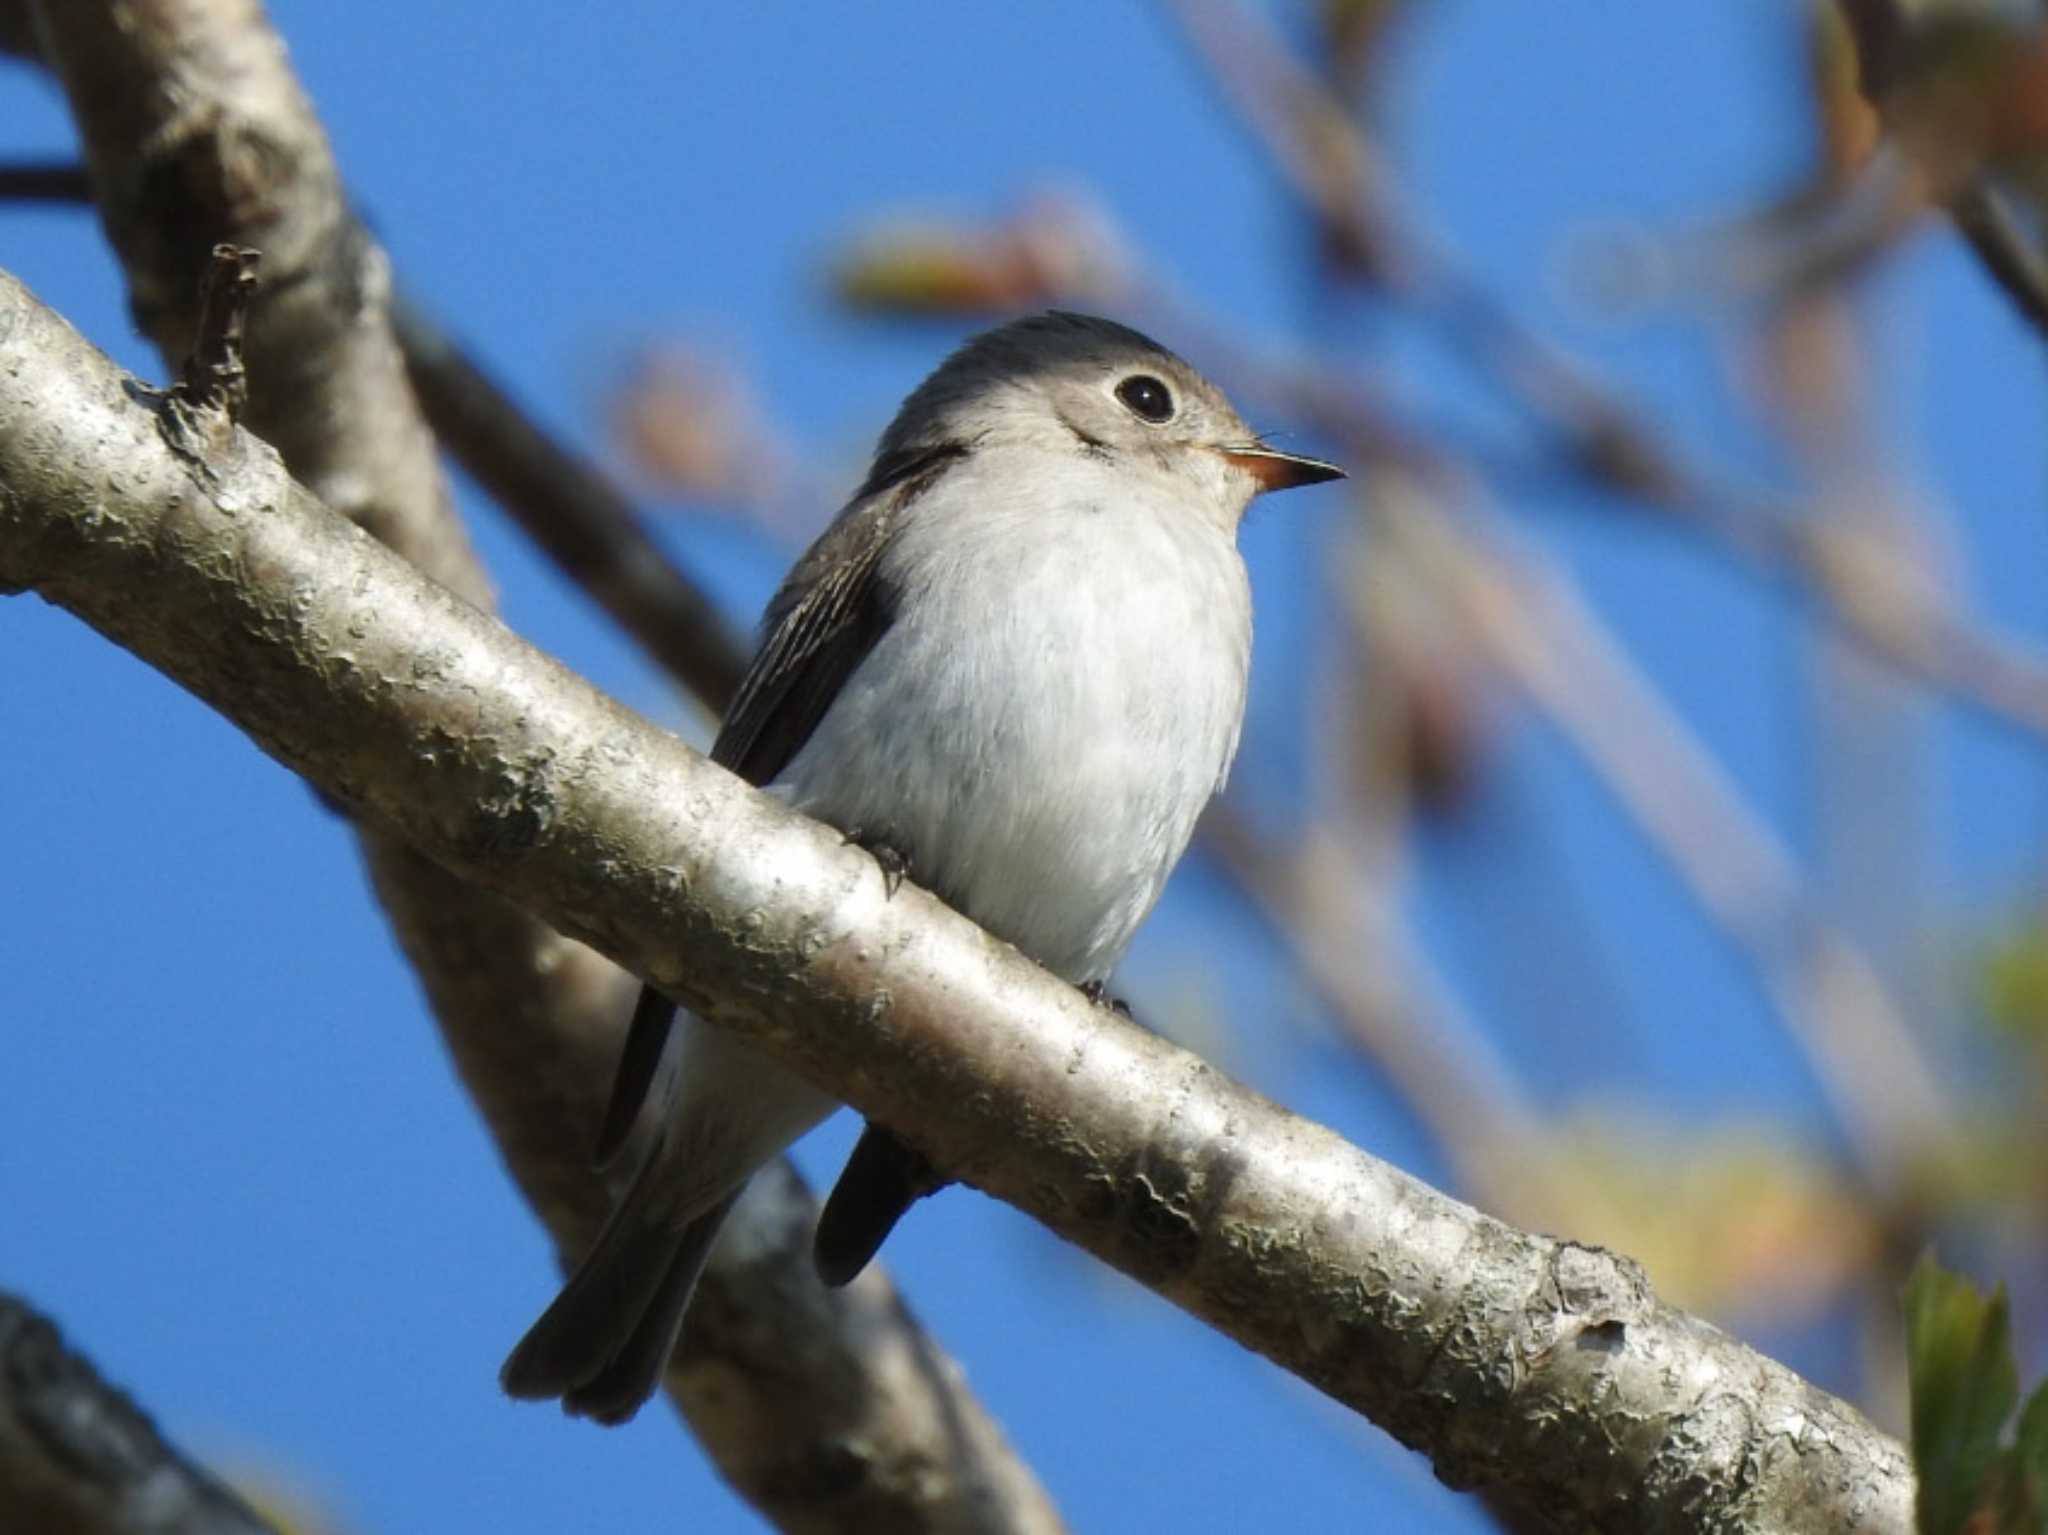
<point>1098,993</point>
<point>889,858</point>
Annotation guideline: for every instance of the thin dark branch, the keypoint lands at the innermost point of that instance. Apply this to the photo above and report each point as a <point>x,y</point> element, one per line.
<point>569,508</point>
<point>55,182</point>
<point>2009,257</point>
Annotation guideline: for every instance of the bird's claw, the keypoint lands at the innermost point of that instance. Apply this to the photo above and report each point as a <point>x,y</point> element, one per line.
<point>890,859</point>
<point>1098,993</point>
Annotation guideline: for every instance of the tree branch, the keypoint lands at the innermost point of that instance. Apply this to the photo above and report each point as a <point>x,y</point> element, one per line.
<point>50,181</point>
<point>77,1457</point>
<point>197,133</point>
<point>1595,434</point>
<point>574,513</point>
<point>1519,1362</point>
<point>1880,30</point>
<point>565,504</point>
<point>2009,257</point>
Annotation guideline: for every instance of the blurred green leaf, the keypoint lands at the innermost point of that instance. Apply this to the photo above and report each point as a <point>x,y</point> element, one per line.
<point>1964,1386</point>
<point>2014,982</point>
<point>2025,1506</point>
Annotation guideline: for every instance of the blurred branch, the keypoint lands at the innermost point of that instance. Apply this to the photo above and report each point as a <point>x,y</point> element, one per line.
<point>1868,725</point>
<point>1542,1368</point>
<point>1881,31</point>
<point>1384,999</point>
<point>1596,433</point>
<point>1541,634</point>
<point>17,29</point>
<point>197,133</point>
<point>572,511</point>
<point>55,181</point>
<point>1823,986</point>
<point>1307,132</point>
<point>1878,28</point>
<point>77,1457</point>
<point>2011,260</point>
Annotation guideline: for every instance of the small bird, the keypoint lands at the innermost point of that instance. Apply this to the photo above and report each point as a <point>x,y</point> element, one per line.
<point>1013,667</point>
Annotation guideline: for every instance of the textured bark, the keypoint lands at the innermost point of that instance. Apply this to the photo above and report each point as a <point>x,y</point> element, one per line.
<point>78,1458</point>
<point>196,132</point>
<point>1542,1368</point>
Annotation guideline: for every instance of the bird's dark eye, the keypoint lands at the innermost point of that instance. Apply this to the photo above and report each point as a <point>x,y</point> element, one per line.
<point>1147,398</point>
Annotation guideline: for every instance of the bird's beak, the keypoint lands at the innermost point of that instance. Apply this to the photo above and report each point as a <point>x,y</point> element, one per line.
<point>1275,470</point>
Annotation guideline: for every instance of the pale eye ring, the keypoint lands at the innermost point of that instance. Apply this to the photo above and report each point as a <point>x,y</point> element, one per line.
<point>1147,398</point>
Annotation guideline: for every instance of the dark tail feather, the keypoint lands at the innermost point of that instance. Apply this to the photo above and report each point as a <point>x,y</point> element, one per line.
<point>638,1276</point>
<point>882,1180</point>
<point>633,1374</point>
<point>645,1037</point>
<point>590,1320</point>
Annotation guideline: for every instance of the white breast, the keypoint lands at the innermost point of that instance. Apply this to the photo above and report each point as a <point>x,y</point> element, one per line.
<point>1058,697</point>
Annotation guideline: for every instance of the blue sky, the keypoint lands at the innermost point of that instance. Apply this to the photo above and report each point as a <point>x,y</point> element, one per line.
<point>235,1165</point>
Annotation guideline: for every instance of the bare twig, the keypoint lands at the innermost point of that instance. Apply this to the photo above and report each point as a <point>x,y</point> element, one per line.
<point>57,181</point>
<point>214,378</point>
<point>1545,1368</point>
<point>2009,257</point>
<point>77,1455</point>
<point>568,506</point>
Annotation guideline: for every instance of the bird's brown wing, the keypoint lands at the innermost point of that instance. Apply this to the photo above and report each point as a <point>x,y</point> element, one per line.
<point>828,615</point>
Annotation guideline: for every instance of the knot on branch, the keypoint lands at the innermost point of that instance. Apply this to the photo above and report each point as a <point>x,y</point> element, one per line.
<point>1588,1299</point>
